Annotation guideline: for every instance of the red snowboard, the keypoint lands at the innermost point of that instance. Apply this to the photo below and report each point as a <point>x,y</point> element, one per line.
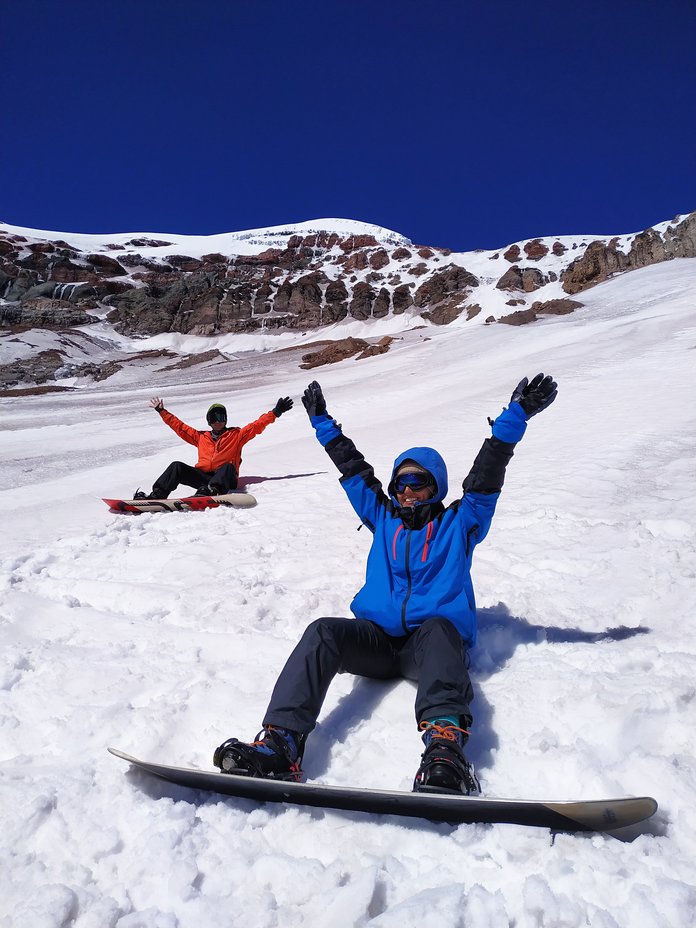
<point>188,503</point>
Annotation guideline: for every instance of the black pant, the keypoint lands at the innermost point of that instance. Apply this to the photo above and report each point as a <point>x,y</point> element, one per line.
<point>223,479</point>
<point>434,656</point>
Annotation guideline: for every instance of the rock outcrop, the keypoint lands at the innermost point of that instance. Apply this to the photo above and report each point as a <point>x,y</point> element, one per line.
<point>315,280</point>
<point>526,279</point>
<point>540,308</point>
<point>48,366</point>
<point>147,286</point>
<point>357,348</point>
<point>601,260</point>
<point>44,313</point>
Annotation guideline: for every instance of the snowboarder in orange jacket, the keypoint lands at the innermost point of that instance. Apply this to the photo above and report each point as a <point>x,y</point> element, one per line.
<point>219,451</point>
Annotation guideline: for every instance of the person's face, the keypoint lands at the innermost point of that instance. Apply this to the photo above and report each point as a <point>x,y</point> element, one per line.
<point>219,421</point>
<point>414,488</point>
<point>409,498</point>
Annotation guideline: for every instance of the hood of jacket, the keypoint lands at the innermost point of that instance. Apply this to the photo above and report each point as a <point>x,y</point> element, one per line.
<point>432,461</point>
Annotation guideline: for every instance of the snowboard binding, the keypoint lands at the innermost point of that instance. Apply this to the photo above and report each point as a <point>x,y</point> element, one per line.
<point>276,754</point>
<point>444,767</point>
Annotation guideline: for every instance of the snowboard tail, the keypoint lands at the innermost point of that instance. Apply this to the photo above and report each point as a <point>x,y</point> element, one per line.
<point>186,504</point>
<point>584,815</point>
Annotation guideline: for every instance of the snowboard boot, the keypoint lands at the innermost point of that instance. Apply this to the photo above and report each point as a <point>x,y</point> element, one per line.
<point>155,494</point>
<point>444,768</point>
<point>276,753</point>
<point>204,491</point>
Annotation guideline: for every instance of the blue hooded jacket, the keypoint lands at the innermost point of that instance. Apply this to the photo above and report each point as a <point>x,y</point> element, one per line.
<point>419,565</point>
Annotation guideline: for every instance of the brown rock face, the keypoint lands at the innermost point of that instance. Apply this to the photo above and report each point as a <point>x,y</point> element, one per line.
<point>185,263</point>
<point>189,305</point>
<point>148,243</point>
<point>382,304</point>
<point>353,242</point>
<point>379,259</point>
<point>419,270</point>
<point>312,281</point>
<point>526,279</point>
<point>340,350</point>
<point>601,260</point>
<point>447,311</point>
<point>548,308</point>
<point>598,263</point>
<point>535,250</point>
<point>441,285</point>
<point>108,265</point>
<point>555,307</point>
<point>402,298</point>
<point>521,317</point>
<point>38,369</point>
<point>363,298</point>
<point>44,314</point>
<point>336,296</point>
<point>356,262</point>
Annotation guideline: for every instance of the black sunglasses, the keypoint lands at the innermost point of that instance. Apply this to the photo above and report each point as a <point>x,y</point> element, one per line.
<point>217,415</point>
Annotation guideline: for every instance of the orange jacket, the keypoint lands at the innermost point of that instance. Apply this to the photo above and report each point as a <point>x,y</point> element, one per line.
<point>228,447</point>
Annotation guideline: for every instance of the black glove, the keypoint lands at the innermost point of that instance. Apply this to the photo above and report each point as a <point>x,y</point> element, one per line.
<point>313,400</point>
<point>535,396</point>
<point>283,404</point>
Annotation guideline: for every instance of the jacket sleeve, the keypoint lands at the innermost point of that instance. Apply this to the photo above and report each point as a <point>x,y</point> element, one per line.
<point>189,434</point>
<point>363,489</point>
<point>247,432</point>
<point>484,482</point>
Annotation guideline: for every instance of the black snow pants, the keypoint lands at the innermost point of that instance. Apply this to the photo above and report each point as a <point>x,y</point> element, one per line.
<point>434,656</point>
<point>223,479</point>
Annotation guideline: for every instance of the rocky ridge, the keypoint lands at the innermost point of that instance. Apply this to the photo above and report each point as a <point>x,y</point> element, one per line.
<point>304,277</point>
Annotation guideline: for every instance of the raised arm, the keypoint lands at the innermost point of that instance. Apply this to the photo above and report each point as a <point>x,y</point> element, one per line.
<point>184,431</point>
<point>252,429</point>
<point>487,475</point>
<point>362,488</point>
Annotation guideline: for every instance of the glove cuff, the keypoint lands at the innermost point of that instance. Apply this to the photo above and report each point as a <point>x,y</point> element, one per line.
<point>326,428</point>
<point>511,424</point>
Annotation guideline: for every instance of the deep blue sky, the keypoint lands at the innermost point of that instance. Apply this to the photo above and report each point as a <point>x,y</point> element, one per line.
<point>457,123</point>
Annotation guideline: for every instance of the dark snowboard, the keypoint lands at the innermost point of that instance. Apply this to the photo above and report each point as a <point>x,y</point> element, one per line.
<point>589,815</point>
<point>188,503</point>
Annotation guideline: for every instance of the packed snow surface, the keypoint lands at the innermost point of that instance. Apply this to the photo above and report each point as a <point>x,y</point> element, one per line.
<point>162,635</point>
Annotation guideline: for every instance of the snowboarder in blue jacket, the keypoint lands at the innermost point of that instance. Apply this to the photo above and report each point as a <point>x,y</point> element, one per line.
<point>415,616</point>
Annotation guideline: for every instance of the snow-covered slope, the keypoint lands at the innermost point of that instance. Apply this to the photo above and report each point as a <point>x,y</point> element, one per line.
<point>247,242</point>
<point>162,635</point>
